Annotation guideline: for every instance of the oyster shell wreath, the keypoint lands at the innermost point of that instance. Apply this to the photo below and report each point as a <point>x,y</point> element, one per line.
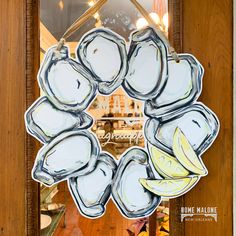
<point>177,128</point>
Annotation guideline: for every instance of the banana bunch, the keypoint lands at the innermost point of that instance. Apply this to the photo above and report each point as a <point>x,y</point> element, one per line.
<point>180,173</point>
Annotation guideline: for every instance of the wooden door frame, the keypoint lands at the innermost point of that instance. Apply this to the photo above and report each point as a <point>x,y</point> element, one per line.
<point>176,39</point>
<point>234,119</point>
<point>19,59</point>
<point>208,35</point>
<point>208,31</point>
<point>32,63</point>
<point>32,92</point>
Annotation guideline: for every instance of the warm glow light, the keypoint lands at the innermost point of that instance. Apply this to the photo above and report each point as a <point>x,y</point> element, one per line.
<point>165,21</point>
<point>91,3</point>
<point>155,17</point>
<point>141,22</point>
<point>61,5</point>
<point>96,16</point>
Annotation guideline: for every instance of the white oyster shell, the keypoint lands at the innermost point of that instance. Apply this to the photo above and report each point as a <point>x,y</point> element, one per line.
<point>197,122</point>
<point>69,153</point>
<point>148,71</point>
<point>103,52</point>
<point>129,195</point>
<point>67,84</point>
<point>92,191</point>
<point>44,121</point>
<point>183,87</point>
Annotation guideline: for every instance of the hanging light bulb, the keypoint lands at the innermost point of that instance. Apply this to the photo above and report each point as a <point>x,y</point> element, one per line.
<point>165,21</point>
<point>142,22</point>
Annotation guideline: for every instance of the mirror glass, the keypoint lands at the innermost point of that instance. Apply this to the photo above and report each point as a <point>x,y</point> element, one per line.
<point>119,119</point>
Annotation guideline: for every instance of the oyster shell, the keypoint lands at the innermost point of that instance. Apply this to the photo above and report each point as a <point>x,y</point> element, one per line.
<point>70,154</point>
<point>66,83</point>
<point>44,121</point>
<point>197,122</point>
<point>92,191</point>
<point>103,52</point>
<point>148,71</point>
<point>183,87</point>
<point>129,195</point>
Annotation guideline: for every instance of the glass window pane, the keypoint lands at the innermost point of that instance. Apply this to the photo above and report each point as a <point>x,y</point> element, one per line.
<point>119,119</point>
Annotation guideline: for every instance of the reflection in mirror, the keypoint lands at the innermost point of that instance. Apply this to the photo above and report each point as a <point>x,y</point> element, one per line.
<point>118,119</point>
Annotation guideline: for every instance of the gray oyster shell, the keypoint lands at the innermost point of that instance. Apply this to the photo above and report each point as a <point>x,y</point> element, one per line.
<point>92,191</point>
<point>133,200</point>
<point>103,52</point>
<point>44,121</point>
<point>71,153</point>
<point>197,122</point>
<point>148,70</point>
<point>66,83</point>
<point>183,87</point>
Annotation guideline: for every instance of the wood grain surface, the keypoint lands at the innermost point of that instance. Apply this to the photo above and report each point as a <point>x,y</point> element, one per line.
<point>18,63</point>
<point>111,224</point>
<point>176,40</point>
<point>32,93</point>
<point>208,34</point>
<point>12,135</point>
